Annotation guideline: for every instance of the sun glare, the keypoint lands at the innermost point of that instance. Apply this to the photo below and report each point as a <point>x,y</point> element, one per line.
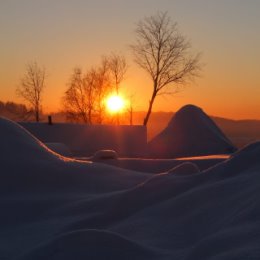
<point>115,104</point>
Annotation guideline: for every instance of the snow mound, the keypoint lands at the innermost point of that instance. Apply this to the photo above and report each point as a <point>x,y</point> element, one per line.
<point>190,133</point>
<point>186,168</point>
<point>59,148</point>
<point>244,161</point>
<point>250,151</point>
<point>28,165</point>
<point>54,208</point>
<point>17,144</point>
<point>90,244</point>
<point>104,155</point>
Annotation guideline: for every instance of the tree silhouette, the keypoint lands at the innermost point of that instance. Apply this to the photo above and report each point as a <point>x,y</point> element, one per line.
<point>118,68</point>
<point>31,87</point>
<point>84,99</point>
<point>164,54</point>
<point>77,98</point>
<point>14,111</point>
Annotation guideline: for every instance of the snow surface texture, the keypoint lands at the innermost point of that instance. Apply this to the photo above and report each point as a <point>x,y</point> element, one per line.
<point>102,155</point>
<point>59,148</point>
<point>34,167</point>
<point>56,208</point>
<point>161,165</point>
<point>189,133</point>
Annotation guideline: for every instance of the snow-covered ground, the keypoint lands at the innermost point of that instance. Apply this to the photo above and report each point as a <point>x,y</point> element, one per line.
<point>159,165</point>
<point>53,207</point>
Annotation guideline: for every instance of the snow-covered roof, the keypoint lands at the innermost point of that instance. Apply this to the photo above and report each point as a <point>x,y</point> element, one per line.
<point>190,132</point>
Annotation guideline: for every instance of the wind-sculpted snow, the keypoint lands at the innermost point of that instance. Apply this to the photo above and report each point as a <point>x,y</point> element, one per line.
<point>82,210</point>
<point>189,133</point>
<point>186,168</point>
<point>60,148</point>
<point>28,165</point>
<point>91,244</point>
<point>17,144</point>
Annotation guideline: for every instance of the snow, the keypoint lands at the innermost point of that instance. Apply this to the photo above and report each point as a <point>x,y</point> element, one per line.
<point>190,133</point>
<point>104,155</point>
<point>60,148</point>
<point>53,207</point>
<point>186,168</point>
<point>25,158</point>
<point>161,165</point>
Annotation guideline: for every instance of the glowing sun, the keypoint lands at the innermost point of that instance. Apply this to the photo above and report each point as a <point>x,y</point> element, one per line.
<point>115,104</point>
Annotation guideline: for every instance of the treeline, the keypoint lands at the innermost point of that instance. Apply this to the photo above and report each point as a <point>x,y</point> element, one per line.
<point>21,112</point>
<point>15,111</point>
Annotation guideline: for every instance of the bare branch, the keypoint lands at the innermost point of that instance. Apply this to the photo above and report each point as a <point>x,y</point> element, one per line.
<point>118,68</point>
<point>84,98</point>
<point>31,87</point>
<point>164,54</point>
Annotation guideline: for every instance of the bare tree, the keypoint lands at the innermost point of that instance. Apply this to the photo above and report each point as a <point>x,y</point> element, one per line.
<point>90,81</point>
<point>164,54</point>
<point>31,87</point>
<point>84,98</point>
<point>103,89</point>
<point>76,99</point>
<point>118,68</point>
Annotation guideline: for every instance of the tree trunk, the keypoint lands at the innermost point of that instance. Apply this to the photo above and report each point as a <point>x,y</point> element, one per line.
<point>149,109</point>
<point>37,116</point>
<point>131,116</point>
<point>90,116</point>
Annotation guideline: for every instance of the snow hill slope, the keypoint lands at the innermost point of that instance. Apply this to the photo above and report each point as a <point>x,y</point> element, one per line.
<point>181,214</point>
<point>189,133</point>
<point>28,165</point>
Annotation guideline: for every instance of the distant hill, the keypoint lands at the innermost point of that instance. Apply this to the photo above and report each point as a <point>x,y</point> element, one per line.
<point>240,132</point>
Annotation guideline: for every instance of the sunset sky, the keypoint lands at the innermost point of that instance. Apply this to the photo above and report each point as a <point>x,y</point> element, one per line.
<point>62,34</point>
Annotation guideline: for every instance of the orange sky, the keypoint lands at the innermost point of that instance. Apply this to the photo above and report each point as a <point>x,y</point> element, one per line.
<point>63,34</point>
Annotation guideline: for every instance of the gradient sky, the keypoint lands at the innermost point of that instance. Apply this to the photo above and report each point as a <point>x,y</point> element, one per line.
<point>62,34</point>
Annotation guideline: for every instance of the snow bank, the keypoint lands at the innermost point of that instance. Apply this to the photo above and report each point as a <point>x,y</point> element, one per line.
<point>186,168</point>
<point>94,211</point>
<point>90,244</point>
<point>28,165</point>
<point>162,165</point>
<point>59,148</point>
<point>189,133</point>
<point>104,155</point>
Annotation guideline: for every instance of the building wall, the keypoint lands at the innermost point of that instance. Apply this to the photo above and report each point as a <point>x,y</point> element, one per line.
<point>85,140</point>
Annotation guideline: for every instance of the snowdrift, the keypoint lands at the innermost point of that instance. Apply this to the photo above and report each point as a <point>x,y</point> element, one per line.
<point>28,165</point>
<point>94,211</point>
<point>161,165</point>
<point>189,133</point>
